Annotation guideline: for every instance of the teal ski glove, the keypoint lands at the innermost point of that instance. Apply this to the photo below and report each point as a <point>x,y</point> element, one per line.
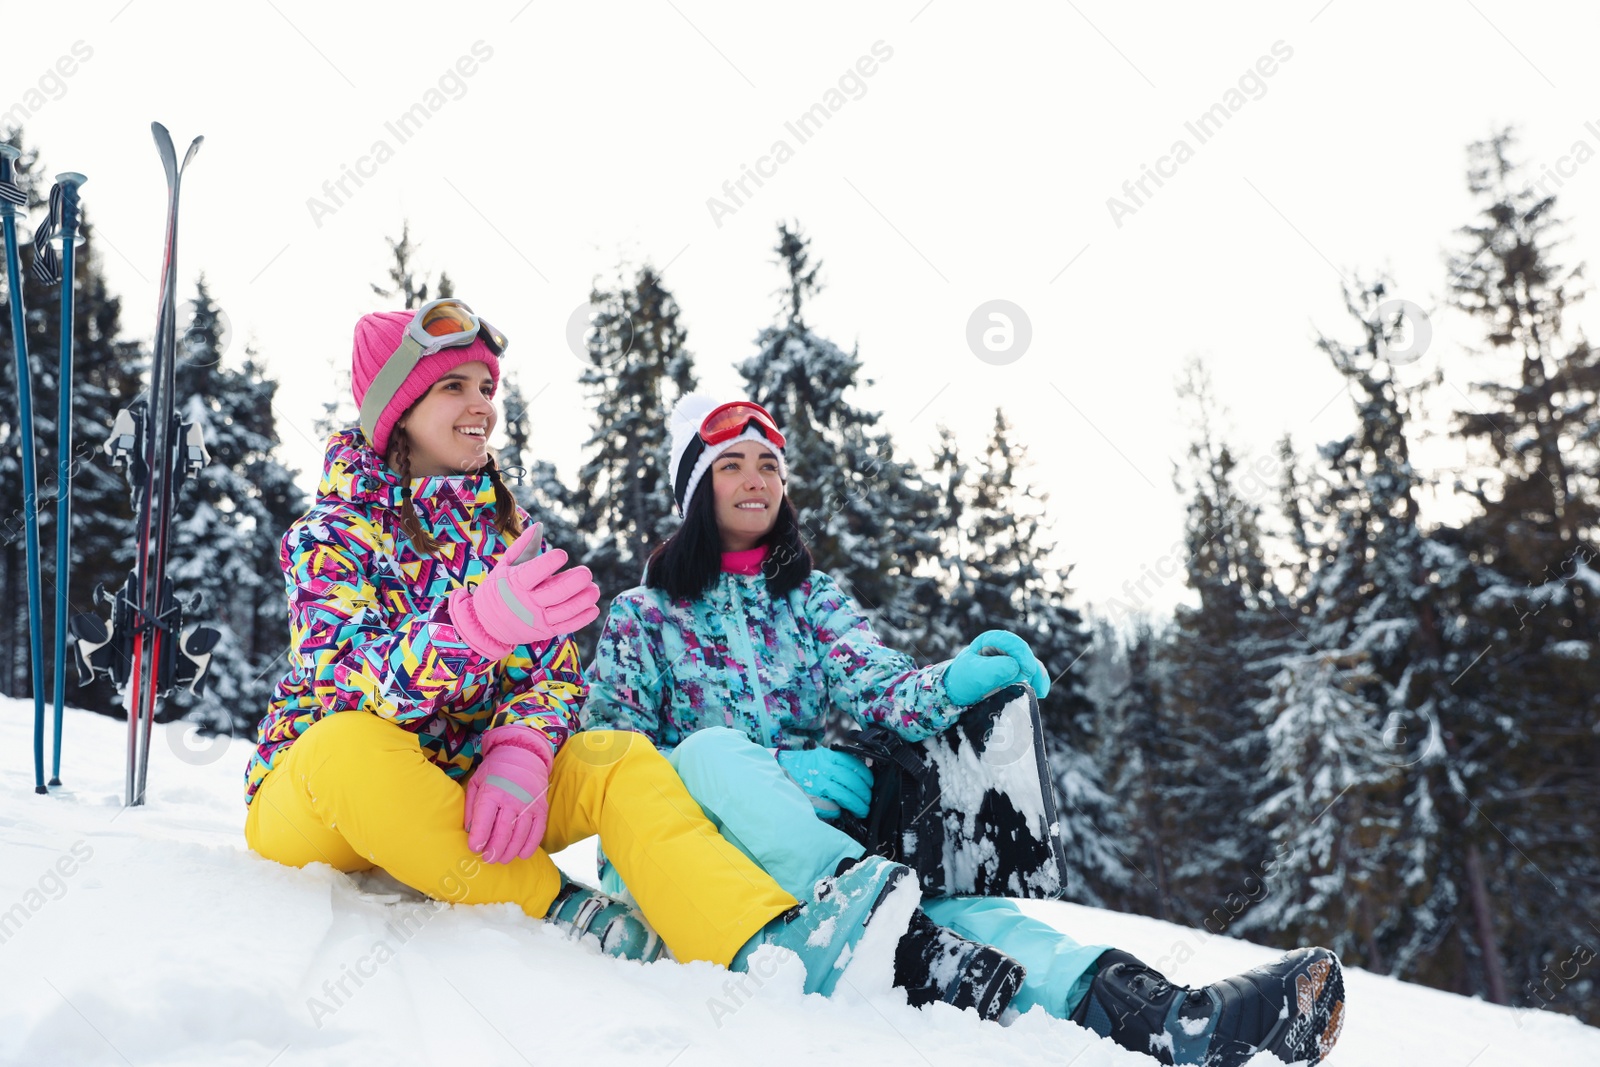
<point>994,660</point>
<point>832,780</point>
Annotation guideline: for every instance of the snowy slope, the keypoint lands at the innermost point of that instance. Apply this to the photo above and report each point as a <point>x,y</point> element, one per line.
<point>152,936</point>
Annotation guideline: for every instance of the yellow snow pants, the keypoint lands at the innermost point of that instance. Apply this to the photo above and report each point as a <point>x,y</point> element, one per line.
<point>356,791</point>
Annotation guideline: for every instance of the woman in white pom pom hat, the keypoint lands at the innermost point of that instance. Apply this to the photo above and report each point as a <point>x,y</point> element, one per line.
<point>730,656</point>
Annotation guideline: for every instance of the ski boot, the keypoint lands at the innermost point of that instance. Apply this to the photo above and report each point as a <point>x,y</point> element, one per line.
<point>1292,1008</point>
<point>618,929</point>
<point>854,919</point>
<point>935,964</point>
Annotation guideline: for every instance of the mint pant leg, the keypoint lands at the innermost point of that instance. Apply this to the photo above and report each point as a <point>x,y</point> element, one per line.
<point>760,810</point>
<point>1059,969</point>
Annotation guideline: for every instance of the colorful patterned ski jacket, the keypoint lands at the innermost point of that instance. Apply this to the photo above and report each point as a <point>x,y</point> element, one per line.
<point>368,626</point>
<point>771,668</point>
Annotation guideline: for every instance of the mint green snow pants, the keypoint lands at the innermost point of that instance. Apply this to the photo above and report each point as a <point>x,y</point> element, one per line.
<point>764,814</point>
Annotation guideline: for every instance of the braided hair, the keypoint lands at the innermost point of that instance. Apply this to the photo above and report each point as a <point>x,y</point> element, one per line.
<point>506,518</point>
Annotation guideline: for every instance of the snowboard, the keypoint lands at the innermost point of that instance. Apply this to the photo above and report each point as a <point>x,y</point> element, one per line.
<point>971,810</point>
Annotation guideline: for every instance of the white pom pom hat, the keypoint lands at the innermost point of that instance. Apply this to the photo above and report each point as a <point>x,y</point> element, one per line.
<point>692,457</point>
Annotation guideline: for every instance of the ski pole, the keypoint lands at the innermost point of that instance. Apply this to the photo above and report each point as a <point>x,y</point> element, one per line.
<point>64,199</point>
<point>11,198</point>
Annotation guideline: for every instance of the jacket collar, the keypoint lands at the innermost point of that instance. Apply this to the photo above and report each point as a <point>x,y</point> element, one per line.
<point>353,472</point>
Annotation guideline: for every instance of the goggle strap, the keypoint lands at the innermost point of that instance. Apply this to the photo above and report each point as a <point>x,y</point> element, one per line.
<point>686,466</point>
<point>386,384</point>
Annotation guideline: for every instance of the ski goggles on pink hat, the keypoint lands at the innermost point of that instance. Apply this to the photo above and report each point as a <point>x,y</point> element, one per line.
<point>437,325</point>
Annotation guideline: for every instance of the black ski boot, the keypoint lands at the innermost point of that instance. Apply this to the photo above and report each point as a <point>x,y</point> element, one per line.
<point>1292,1008</point>
<point>933,964</point>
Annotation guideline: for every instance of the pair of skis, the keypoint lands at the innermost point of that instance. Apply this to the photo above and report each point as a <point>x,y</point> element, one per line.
<point>146,648</point>
<point>49,269</point>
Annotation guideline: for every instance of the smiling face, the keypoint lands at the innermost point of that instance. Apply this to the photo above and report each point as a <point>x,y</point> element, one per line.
<point>449,428</point>
<point>747,488</point>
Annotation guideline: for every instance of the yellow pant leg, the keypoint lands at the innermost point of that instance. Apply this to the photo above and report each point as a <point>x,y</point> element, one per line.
<point>703,896</point>
<point>356,791</point>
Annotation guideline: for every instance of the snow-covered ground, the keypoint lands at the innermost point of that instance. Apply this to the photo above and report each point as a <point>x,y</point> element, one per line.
<point>152,936</point>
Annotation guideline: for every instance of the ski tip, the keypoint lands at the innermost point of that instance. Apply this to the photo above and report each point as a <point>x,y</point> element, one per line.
<point>70,177</point>
<point>169,159</point>
<point>10,151</point>
<point>194,146</point>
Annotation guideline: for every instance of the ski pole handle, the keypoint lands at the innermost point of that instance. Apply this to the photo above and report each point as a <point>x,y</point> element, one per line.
<point>11,197</point>
<point>69,181</point>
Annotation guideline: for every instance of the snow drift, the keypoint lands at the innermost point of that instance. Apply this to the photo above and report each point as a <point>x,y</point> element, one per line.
<point>153,936</point>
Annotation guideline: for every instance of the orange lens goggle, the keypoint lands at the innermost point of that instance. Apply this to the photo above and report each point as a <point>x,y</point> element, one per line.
<point>448,323</point>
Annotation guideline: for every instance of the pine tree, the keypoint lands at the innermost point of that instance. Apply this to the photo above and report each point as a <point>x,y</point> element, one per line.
<point>1213,666</point>
<point>1135,758</point>
<point>1400,599</point>
<point>1333,818</point>
<point>228,523</point>
<point>1294,509</point>
<point>639,365</point>
<point>999,537</point>
<point>869,518</point>
<point>538,489</point>
<point>410,287</point>
<point>107,374</point>
<point>1538,428</point>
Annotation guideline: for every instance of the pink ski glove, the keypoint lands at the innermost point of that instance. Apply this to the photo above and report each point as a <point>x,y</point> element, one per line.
<point>506,804</point>
<point>525,599</point>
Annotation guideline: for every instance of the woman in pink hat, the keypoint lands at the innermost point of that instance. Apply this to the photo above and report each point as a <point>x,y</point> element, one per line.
<point>427,722</point>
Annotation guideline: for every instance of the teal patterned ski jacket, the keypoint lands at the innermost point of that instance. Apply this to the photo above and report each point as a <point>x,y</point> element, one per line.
<point>770,667</point>
<point>368,626</point>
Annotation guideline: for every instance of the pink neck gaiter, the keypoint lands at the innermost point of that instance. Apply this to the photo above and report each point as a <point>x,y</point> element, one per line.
<point>747,562</point>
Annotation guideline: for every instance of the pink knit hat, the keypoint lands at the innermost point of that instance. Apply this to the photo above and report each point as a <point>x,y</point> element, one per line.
<point>376,337</point>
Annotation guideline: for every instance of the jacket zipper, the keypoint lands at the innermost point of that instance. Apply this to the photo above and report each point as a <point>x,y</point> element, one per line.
<point>747,653</point>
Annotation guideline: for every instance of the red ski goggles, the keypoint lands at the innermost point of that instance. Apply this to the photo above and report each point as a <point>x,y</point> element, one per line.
<point>437,325</point>
<point>727,421</point>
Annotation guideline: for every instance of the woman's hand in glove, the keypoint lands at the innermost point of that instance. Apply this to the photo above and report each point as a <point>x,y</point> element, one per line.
<point>831,776</point>
<point>994,660</point>
<point>507,807</point>
<point>525,599</point>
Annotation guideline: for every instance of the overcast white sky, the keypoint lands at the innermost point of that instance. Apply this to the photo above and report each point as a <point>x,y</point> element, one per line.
<point>973,164</point>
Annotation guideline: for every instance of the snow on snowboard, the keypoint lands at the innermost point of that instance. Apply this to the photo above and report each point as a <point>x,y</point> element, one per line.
<point>971,809</point>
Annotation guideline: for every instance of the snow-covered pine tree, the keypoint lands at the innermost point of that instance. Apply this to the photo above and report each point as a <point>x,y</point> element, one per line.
<point>1005,579</point>
<point>106,376</point>
<point>941,594</point>
<point>538,489</point>
<point>1536,425</point>
<point>229,522</point>
<point>1402,598</point>
<point>408,287</point>
<point>1214,665</point>
<point>639,365</point>
<point>1294,508</point>
<point>1334,816</point>
<point>1134,757</point>
<point>869,518</point>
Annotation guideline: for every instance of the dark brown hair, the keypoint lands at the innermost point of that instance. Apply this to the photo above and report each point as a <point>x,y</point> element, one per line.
<point>686,565</point>
<point>506,519</point>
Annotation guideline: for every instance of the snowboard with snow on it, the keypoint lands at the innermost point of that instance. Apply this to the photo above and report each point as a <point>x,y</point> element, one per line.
<point>971,810</point>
